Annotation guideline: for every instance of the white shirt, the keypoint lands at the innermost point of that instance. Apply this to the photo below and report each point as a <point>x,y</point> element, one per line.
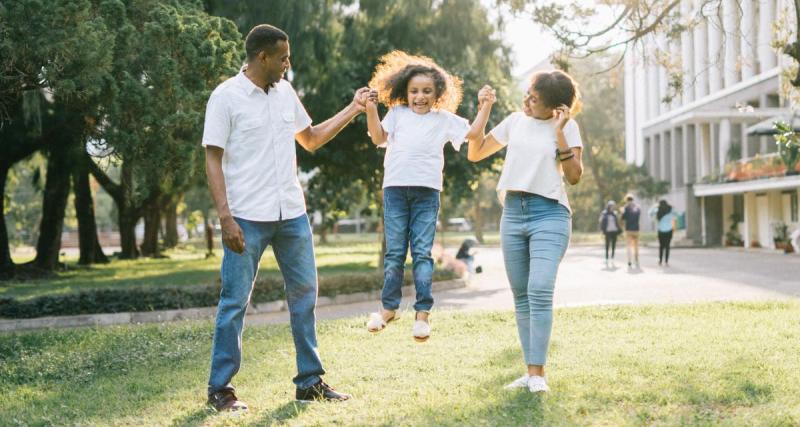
<point>415,147</point>
<point>256,130</point>
<point>531,164</point>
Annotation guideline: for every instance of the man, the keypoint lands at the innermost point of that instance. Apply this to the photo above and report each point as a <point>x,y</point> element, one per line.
<point>630,217</point>
<point>252,121</point>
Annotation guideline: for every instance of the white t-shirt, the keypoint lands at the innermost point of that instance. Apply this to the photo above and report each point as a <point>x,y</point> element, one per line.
<point>256,130</point>
<point>415,147</point>
<point>531,164</point>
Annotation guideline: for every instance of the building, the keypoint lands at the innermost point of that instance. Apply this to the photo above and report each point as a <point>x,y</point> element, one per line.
<point>698,140</point>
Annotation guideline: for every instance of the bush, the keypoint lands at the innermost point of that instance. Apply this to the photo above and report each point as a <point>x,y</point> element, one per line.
<point>110,300</point>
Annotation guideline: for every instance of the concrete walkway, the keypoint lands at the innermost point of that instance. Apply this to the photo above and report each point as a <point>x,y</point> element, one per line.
<point>694,275</point>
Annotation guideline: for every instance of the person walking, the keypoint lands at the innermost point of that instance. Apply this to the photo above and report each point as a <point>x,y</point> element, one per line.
<point>666,226</point>
<point>251,124</point>
<point>609,225</point>
<point>544,150</point>
<point>630,218</point>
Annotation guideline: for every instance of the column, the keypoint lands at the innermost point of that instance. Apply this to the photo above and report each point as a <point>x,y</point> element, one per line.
<point>663,157</point>
<point>724,142</point>
<point>716,54</point>
<point>687,55</point>
<point>700,53</point>
<point>747,50</point>
<point>745,142</point>
<point>730,24</point>
<point>766,14</point>
<point>652,84</point>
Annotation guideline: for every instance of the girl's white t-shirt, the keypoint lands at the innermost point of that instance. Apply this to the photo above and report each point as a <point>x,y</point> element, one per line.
<point>415,146</point>
<point>531,164</point>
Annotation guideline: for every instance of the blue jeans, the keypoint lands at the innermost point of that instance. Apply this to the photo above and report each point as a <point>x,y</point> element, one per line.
<point>293,247</point>
<point>534,233</point>
<point>409,216</point>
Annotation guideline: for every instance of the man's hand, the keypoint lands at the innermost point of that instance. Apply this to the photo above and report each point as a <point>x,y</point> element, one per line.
<point>360,99</point>
<point>232,235</point>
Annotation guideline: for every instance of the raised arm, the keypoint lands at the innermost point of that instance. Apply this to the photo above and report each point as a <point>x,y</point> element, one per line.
<point>481,145</point>
<point>570,157</point>
<point>376,132</point>
<point>314,137</point>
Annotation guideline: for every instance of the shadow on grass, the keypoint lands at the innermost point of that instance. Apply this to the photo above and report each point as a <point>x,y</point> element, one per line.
<point>285,412</point>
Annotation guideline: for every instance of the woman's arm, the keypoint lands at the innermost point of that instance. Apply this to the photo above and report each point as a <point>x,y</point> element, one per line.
<point>480,145</point>
<point>570,157</point>
<point>376,132</point>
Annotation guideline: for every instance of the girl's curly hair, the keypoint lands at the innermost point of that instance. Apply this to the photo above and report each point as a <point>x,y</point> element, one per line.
<point>557,88</point>
<point>396,69</point>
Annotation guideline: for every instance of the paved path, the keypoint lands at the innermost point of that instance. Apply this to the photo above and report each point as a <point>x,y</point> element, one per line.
<point>694,275</point>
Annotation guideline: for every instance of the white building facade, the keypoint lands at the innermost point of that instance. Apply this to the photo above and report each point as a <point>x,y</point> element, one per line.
<point>696,137</point>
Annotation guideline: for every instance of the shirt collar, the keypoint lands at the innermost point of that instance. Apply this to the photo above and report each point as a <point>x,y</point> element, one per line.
<point>248,85</point>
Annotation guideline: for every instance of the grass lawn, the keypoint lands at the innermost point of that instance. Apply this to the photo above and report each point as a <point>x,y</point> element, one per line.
<point>706,364</point>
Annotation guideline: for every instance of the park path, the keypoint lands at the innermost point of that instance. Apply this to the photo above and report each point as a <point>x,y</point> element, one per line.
<point>694,275</point>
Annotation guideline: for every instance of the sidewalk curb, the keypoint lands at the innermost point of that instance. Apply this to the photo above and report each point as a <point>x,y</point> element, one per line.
<point>108,319</point>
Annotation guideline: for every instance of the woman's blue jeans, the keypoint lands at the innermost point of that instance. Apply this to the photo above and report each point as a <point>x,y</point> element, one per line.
<point>534,233</point>
<point>409,217</point>
<point>293,246</point>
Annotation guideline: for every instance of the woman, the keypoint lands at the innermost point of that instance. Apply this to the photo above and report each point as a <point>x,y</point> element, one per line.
<point>666,225</point>
<point>544,147</point>
<point>609,225</point>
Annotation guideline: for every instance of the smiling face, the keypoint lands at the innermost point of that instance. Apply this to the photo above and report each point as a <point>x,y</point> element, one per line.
<point>421,93</point>
<point>275,62</point>
<point>534,107</point>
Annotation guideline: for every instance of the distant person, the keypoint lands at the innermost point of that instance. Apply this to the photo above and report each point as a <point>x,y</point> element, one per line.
<point>794,238</point>
<point>609,225</point>
<point>466,254</point>
<point>666,220</point>
<point>543,151</point>
<point>252,122</point>
<point>422,99</point>
<point>630,217</point>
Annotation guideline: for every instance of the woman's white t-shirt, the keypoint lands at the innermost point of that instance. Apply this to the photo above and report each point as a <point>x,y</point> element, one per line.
<point>531,164</point>
<point>415,147</point>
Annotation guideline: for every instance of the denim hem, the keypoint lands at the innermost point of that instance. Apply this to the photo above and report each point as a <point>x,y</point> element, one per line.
<point>309,382</point>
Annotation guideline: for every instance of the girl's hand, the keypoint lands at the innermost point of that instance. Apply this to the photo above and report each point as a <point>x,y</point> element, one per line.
<point>561,116</point>
<point>486,94</point>
<point>372,97</point>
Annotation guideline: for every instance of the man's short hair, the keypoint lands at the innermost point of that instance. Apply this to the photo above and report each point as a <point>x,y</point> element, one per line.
<point>629,197</point>
<point>262,37</point>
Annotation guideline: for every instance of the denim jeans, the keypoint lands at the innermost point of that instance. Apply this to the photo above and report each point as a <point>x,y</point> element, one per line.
<point>409,217</point>
<point>293,247</point>
<point>534,234</point>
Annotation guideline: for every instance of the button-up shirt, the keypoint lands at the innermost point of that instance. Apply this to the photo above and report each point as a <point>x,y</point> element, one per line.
<point>256,131</point>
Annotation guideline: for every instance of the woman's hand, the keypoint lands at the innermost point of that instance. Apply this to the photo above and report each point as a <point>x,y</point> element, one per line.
<point>486,95</point>
<point>561,116</point>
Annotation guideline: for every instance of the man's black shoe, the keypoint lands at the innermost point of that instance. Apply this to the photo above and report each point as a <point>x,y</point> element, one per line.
<point>225,400</point>
<point>320,391</point>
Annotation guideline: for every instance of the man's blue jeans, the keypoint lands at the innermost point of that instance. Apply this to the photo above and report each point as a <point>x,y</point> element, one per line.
<point>293,246</point>
<point>409,217</point>
<point>534,234</point>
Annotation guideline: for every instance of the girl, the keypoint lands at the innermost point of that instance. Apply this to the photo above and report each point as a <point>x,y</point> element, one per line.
<point>421,98</point>
<point>609,225</point>
<point>666,225</point>
<point>544,146</point>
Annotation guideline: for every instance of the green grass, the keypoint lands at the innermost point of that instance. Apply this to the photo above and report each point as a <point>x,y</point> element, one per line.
<point>706,364</point>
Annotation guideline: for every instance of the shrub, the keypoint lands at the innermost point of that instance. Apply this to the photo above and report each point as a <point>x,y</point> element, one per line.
<point>111,300</point>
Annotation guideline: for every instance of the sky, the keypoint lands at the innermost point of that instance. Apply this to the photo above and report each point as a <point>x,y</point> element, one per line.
<point>529,42</point>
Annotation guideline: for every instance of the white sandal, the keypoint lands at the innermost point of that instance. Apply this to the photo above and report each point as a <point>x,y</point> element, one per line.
<point>376,322</point>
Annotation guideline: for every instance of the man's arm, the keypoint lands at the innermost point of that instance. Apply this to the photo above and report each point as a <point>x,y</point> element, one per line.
<point>313,137</point>
<point>232,235</point>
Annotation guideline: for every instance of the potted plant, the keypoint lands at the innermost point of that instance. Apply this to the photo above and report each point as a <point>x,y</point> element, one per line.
<point>732,236</point>
<point>780,236</point>
<point>788,146</point>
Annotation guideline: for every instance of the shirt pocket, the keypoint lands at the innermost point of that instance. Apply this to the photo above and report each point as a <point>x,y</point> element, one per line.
<point>286,122</point>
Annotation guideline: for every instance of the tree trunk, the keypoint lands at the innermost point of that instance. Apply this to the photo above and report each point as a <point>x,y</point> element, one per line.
<point>152,220</point>
<point>90,250</point>
<point>6,264</point>
<point>171,222</point>
<point>127,231</point>
<point>56,191</point>
<point>478,226</point>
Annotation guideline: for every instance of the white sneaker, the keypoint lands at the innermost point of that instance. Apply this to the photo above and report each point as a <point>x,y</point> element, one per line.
<point>521,382</point>
<point>537,385</point>
<point>421,330</point>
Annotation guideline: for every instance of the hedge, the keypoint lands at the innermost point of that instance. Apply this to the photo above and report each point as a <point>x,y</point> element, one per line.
<point>110,300</point>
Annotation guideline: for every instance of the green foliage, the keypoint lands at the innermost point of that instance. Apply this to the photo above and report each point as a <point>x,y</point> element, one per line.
<point>788,142</point>
<point>111,300</point>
